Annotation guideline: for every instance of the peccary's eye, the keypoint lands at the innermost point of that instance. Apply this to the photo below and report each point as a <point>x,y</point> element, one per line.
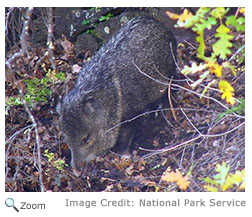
<point>89,105</point>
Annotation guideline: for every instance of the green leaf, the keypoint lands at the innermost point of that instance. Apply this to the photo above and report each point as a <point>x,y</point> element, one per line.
<point>85,22</point>
<point>211,188</point>
<point>210,181</point>
<point>239,23</point>
<point>196,19</point>
<point>106,17</point>
<point>211,21</point>
<point>219,12</point>
<point>222,173</point>
<point>223,45</point>
<point>201,48</point>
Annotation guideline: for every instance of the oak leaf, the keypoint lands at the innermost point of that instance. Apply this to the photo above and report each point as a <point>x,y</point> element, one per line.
<point>176,177</point>
<point>181,17</point>
<point>227,91</point>
<point>223,45</point>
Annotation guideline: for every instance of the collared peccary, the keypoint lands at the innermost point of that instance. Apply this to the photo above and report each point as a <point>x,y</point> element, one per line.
<point>113,87</point>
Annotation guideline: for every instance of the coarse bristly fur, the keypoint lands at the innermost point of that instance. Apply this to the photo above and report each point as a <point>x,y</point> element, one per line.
<point>111,89</point>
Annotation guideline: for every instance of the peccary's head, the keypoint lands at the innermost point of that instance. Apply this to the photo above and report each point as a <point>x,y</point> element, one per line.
<point>83,122</point>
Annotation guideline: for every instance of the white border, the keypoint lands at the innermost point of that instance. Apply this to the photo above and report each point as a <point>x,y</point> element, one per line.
<point>55,201</point>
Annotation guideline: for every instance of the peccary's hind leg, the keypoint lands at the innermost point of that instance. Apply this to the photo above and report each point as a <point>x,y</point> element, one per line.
<point>126,135</point>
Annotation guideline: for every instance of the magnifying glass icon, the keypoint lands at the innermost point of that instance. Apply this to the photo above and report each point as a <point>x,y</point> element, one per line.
<point>9,202</point>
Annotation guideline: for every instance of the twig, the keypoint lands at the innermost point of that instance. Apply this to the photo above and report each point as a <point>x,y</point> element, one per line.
<point>132,119</point>
<point>8,148</point>
<point>149,112</point>
<point>174,58</point>
<point>16,133</point>
<point>161,151</point>
<point>225,133</point>
<point>35,125</point>
<point>238,51</point>
<point>178,86</point>
<point>192,81</point>
<point>182,157</point>
<point>170,102</point>
<point>190,122</point>
<point>13,58</point>
<point>166,119</point>
<point>159,110</point>
<point>148,76</point>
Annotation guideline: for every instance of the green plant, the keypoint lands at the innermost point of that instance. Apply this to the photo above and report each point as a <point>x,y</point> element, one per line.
<point>13,101</point>
<point>85,22</point>
<point>90,31</point>
<point>239,109</point>
<point>37,90</point>
<point>105,17</point>
<point>206,18</point>
<point>59,163</point>
<point>96,9</point>
<point>225,181</point>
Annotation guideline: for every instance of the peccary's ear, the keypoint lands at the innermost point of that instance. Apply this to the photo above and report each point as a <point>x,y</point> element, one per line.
<point>58,106</point>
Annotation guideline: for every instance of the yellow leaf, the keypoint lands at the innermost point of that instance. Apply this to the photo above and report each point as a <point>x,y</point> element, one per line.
<point>170,177</point>
<point>182,17</point>
<point>215,68</point>
<point>211,188</point>
<point>172,15</point>
<point>227,91</point>
<point>242,11</point>
<point>176,177</point>
<point>183,183</point>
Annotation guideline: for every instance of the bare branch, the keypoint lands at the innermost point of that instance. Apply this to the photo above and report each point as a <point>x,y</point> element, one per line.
<point>238,51</point>
<point>25,33</point>
<point>35,126</point>
<point>13,58</point>
<point>184,88</point>
<point>7,17</point>
<point>201,136</point>
<point>23,39</point>
<point>50,48</point>
<point>190,122</point>
<point>16,133</point>
<point>174,58</point>
<point>50,38</point>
